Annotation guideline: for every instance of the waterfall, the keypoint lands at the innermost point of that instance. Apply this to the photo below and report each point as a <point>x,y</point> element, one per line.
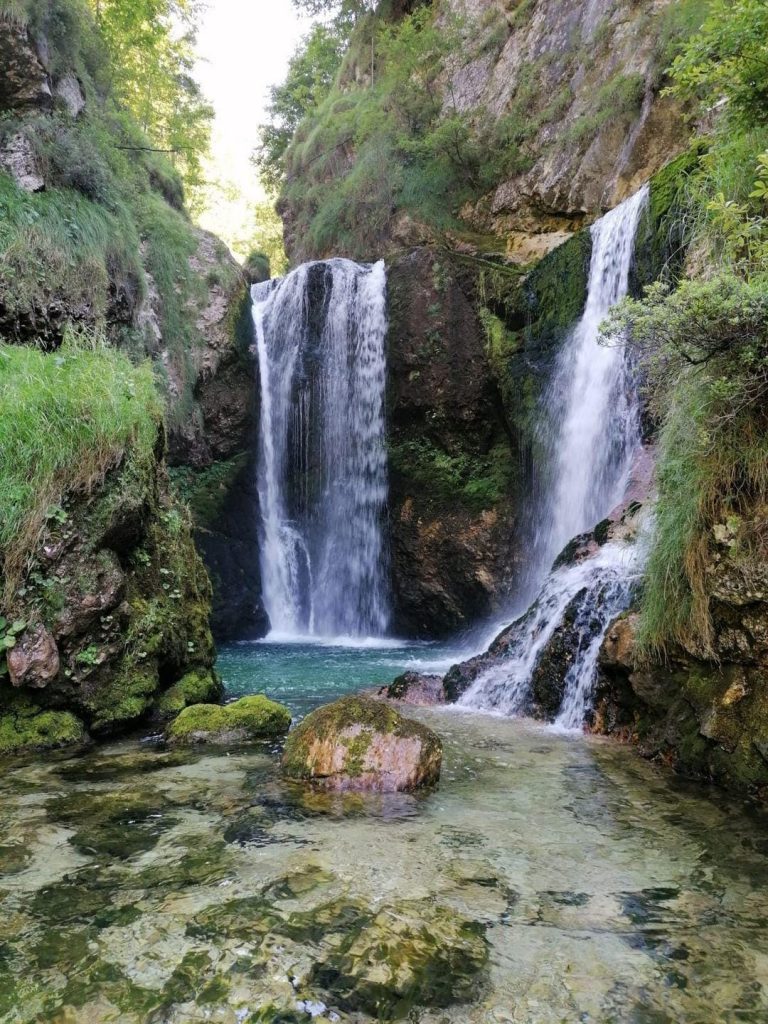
<point>322,466</point>
<point>593,422</point>
<point>592,400</point>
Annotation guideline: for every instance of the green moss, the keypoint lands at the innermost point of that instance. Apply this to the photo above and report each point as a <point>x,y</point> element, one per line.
<point>253,717</point>
<point>556,291</point>
<point>197,687</point>
<point>206,490</point>
<point>660,245</point>
<point>27,727</point>
<point>476,482</point>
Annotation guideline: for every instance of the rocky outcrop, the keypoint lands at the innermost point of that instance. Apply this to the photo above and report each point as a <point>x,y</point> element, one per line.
<point>590,130</point>
<point>362,744</point>
<point>24,82</point>
<point>703,711</point>
<point>417,689</point>
<point>450,450</point>
<point>110,621</point>
<point>151,283</point>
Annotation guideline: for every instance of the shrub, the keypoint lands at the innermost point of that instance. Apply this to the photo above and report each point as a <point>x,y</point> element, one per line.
<point>704,352</point>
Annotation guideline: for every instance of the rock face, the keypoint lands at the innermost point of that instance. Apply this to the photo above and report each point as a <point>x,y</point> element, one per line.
<point>601,127</point>
<point>115,606</point>
<point>250,718</point>
<point>34,660</point>
<point>24,82</point>
<point>178,296</point>
<point>569,92</point>
<point>451,513</point>
<point>362,744</point>
<point>706,713</point>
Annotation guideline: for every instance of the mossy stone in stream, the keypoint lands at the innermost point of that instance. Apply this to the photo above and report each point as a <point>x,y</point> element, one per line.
<point>409,955</point>
<point>198,687</point>
<point>247,919</point>
<point>361,744</point>
<point>118,824</point>
<point>249,718</point>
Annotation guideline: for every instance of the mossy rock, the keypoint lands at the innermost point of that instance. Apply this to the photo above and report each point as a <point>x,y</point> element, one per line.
<point>250,718</point>
<point>361,744</point>
<point>197,687</point>
<point>28,728</point>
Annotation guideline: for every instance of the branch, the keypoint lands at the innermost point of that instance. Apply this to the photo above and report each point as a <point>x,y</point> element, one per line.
<point>154,149</point>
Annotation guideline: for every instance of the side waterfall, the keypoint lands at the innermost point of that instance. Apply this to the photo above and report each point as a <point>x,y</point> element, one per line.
<point>322,466</point>
<point>594,407</point>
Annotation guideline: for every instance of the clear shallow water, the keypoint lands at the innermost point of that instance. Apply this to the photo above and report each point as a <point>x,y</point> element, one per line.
<point>306,674</point>
<point>548,880</point>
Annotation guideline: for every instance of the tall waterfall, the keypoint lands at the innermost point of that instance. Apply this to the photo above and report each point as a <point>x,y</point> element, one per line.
<point>322,466</point>
<point>594,407</point>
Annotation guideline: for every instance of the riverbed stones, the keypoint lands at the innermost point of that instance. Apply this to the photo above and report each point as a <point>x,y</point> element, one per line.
<point>360,744</point>
<point>250,718</point>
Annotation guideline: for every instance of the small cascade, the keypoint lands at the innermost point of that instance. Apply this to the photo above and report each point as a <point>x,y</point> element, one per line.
<point>593,436</point>
<point>590,594</point>
<point>322,467</point>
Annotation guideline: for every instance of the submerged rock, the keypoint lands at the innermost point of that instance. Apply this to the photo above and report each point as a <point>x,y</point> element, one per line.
<point>408,955</point>
<point>362,744</point>
<point>250,718</point>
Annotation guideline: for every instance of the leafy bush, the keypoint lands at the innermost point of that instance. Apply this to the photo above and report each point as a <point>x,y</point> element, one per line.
<point>704,352</point>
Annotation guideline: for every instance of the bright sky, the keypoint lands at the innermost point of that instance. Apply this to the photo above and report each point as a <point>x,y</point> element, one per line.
<point>244,48</point>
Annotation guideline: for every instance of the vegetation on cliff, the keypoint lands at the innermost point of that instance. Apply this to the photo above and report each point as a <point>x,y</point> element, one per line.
<point>112,305</point>
<point>375,104</point>
<point>703,344</point>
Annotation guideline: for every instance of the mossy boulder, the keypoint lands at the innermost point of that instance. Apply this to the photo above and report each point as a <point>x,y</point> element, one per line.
<point>250,718</point>
<point>197,687</point>
<point>361,744</point>
<point>27,727</point>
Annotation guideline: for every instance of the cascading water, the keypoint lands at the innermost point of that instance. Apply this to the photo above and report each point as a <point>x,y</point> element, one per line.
<point>594,408</point>
<point>322,468</point>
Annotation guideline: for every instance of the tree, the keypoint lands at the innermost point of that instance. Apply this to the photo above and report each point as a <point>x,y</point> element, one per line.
<point>311,73</point>
<point>728,59</point>
<point>151,49</point>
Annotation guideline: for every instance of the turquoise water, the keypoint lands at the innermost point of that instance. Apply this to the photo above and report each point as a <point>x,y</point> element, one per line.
<point>305,675</point>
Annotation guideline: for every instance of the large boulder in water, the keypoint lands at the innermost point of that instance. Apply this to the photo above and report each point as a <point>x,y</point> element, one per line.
<point>363,744</point>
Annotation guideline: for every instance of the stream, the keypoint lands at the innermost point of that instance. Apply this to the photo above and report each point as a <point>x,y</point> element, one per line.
<point>548,879</point>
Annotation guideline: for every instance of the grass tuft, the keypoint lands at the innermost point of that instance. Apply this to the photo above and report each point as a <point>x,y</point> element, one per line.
<point>65,421</point>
